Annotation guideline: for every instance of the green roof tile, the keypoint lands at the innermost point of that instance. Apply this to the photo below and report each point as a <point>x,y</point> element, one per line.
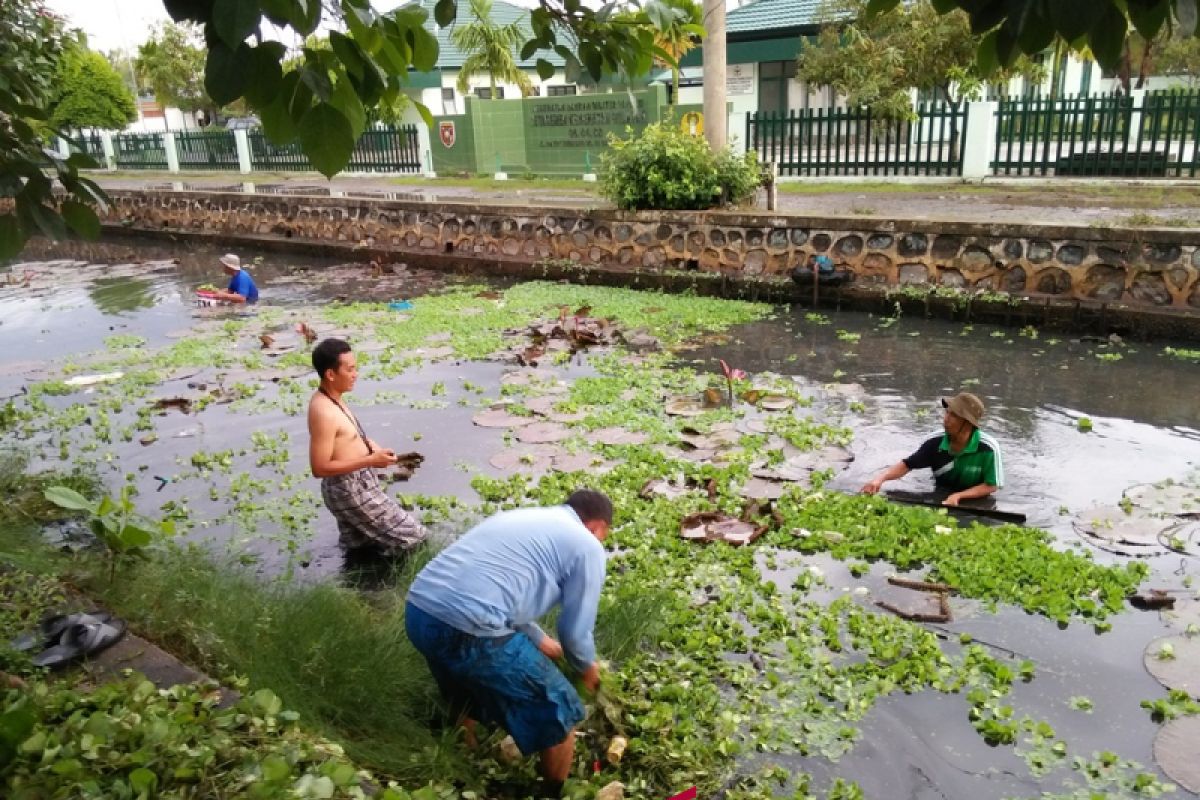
<point>769,15</point>
<point>450,57</point>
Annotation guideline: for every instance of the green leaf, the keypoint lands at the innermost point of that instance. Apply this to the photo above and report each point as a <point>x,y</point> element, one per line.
<point>545,69</point>
<point>133,537</point>
<point>592,60</point>
<point>12,236</point>
<point>348,52</point>
<point>1035,35</point>
<point>426,114</point>
<point>277,123</point>
<point>188,10</point>
<point>306,15</point>
<point>345,100</point>
<point>226,72</point>
<point>234,20</point>
<point>143,781</point>
<point>81,218</point>
<point>275,769</point>
<point>879,6</point>
<point>278,11</point>
<point>1148,19</point>
<point>444,12</point>
<point>327,139</point>
<point>63,497</point>
<point>1107,37</point>
<point>424,50</point>
<point>266,74</point>
<point>1071,18</point>
<point>267,702</point>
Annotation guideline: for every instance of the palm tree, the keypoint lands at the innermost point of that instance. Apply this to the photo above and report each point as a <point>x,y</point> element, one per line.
<point>490,47</point>
<point>683,33</point>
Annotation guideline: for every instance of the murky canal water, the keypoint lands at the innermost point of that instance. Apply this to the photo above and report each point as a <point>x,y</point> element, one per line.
<point>1142,405</point>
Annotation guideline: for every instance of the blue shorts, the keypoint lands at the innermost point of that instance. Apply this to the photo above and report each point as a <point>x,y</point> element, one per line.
<point>504,681</point>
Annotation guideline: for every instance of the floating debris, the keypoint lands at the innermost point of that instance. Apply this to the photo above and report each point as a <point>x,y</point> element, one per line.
<point>712,526</point>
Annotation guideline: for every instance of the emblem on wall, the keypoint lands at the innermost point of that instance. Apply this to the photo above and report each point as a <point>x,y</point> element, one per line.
<point>446,133</point>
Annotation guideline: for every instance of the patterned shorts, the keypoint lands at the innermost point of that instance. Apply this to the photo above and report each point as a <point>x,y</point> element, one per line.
<point>367,516</point>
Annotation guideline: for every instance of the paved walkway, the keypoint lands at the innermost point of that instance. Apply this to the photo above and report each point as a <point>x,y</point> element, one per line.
<point>1139,204</point>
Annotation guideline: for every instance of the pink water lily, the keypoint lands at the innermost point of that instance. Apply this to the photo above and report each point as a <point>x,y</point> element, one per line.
<point>731,375</point>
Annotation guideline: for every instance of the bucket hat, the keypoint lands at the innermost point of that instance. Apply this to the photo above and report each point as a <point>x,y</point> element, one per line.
<point>965,405</point>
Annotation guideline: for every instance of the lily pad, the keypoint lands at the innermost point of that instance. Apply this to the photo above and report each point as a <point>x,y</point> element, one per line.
<point>433,353</point>
<point>664,488</point>
<point>527,377</point>
<point>760,489</point>
<point>546,407</point>
<point>800,467</point>
<point>576,462</point>
<point>538,458</point>
<point>1109,526</point>
<point>500,418</point>
<point>1185,613</point>
<point>1175,662</point>
<point>542,432</point>
<point>1165,498</point>
<point>1177,751</point>
<point>712,526</point>
<point>776,402</point>
<point>684,407</point>
<point>616,436</point>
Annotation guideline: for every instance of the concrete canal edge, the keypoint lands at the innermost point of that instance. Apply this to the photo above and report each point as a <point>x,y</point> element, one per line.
<point>1131,281</point>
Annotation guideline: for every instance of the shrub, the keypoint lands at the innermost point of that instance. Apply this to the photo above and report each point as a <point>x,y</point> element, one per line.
<point>665,168</point>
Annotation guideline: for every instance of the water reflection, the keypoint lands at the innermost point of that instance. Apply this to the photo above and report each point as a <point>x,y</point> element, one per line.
<point>118,295</point>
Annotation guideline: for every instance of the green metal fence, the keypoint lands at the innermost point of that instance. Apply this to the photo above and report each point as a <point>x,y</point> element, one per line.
<point>89,143</point>
<point>387,150</point>
<point>266,155</point>
<point>216,150</point>
<point>1100,135</point>
<point>140,151</point>
<point>377,150</point>
<point>853,141</point>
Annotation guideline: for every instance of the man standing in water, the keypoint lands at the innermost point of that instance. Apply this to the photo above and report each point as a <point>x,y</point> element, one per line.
<point>473,611</point>
<point>963,459</point>
<point>342,456</point>
<point>241,286</point>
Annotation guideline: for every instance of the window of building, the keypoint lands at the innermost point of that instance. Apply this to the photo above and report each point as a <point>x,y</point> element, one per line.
<point>448,104</point>
<point>485,92</point>
<point>561,91</point>
<point>773,78</point>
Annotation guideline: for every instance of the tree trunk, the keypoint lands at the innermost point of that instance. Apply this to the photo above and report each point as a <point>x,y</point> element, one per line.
<point>1124,68</point>
<point>674,86</point>
<point>1146,66</point>
<point>715,123</point>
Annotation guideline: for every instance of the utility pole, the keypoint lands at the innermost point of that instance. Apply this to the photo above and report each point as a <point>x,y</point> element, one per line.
<point>715,123</point>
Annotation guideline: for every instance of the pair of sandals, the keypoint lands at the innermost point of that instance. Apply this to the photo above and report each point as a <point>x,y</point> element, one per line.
<point>64,638</point>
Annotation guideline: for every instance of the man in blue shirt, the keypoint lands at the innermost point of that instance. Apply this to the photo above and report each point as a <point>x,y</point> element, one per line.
<point>473,611</point>
<point>241,285</point>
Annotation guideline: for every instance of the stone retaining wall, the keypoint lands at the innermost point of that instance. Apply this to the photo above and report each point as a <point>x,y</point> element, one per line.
<point>1146,268</point>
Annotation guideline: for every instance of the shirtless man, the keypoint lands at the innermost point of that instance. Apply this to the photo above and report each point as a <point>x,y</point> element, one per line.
<point>342,456</point>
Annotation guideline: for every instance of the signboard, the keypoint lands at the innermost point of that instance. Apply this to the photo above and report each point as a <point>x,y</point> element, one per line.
<point>446,133</point>
<point>739,79</point>
<point>582,122</point>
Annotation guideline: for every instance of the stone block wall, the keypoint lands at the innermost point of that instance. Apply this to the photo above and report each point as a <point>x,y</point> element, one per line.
<point>1150,268</point>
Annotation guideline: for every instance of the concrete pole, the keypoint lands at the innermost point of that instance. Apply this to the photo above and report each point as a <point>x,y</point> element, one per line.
<point>110,152</point>
<point>64,148</point>
<point>172,149</point>
<point>242,141</point>
<point>715,123</point>
<point>980,139</point>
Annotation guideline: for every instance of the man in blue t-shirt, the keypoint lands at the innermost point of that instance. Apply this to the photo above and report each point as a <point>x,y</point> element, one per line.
<point>473,610</point>
<point>241,285</point>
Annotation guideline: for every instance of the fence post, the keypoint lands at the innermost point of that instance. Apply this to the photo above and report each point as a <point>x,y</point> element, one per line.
<point>172,151</point>
<point>979,139</point>
<point>425,145</point>
<point>64,148</point>
<point>736,134</point>
<point>242,141</point>
<point>1137,101</point>
<point>110,152</point>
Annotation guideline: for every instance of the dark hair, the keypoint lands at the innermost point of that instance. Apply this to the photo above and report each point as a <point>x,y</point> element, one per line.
<point>591,505</point>
<point>327,354</point>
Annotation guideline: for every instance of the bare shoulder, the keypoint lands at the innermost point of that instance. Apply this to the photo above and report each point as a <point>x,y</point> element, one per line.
<point>320,410</point>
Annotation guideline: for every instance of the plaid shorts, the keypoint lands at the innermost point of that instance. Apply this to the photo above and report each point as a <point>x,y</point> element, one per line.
<point>367,516</point>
